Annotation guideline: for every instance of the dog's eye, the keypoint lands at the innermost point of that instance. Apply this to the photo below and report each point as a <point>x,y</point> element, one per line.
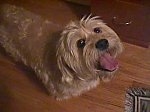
<point>81,43</point>
<point>97,30</point>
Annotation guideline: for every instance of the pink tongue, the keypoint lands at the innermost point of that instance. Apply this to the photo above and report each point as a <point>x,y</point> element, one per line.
<point>108,62</point>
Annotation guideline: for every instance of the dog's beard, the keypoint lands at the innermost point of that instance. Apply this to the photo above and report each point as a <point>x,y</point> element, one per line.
<point>102,63</point>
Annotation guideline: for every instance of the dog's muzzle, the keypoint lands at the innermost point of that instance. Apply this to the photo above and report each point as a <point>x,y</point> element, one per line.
<point>106,61</point>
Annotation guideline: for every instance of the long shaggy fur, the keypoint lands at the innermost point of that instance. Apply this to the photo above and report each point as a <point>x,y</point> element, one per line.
<point>64,69</point>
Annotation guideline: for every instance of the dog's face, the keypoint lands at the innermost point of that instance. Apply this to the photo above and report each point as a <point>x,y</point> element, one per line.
<point>87,49</point>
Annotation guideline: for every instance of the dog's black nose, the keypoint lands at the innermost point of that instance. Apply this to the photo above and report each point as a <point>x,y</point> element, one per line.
<point>102,44</point>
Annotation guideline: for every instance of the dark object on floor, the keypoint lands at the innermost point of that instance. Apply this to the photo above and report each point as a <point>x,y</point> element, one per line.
<point>137,100</point>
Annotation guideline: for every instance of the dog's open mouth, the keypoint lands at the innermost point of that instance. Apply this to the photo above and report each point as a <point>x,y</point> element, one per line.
<point>107,62</point>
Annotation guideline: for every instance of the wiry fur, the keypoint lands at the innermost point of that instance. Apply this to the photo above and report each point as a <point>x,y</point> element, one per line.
<point>64,69</point>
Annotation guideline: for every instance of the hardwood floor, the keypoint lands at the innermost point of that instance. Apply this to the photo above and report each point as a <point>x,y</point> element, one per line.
<point>21,91</point>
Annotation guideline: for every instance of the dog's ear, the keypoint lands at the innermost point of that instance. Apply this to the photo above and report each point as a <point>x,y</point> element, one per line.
<point>63,58</point>
<point>63,67</point>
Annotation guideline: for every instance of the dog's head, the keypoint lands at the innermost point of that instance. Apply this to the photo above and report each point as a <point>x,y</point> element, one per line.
<point>87,49</point>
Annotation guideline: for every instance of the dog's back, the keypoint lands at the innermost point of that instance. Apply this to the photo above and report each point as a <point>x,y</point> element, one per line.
<point>29,39</point>
<point>23,34</point>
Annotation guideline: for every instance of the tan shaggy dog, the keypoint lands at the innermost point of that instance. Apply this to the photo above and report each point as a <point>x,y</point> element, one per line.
<point>68,63</point>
